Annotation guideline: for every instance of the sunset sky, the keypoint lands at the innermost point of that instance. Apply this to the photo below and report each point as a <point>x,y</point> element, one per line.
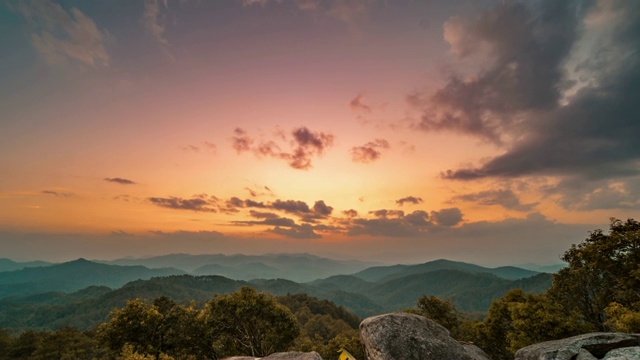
<point>494,132</point>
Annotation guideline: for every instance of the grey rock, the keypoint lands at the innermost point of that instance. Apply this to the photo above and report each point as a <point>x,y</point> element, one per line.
<point>475,352</point>
<point>585,355</point>
<point>598,344</point>
<point>628,353</point>
<point>403,336</point>
<point>291,355</point>
<point>294,355</point>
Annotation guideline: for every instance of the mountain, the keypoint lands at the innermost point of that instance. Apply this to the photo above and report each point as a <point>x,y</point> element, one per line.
<point>551,269</point>
<point>72,276</point>
<point>10,265</point>
<point>385,273</point>
<point>297,267</point>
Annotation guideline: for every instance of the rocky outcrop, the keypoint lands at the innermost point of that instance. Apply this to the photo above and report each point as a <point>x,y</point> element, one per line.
<point>403,336</point>
<point>628,353</point>
<point>581,347</point>
<point>291,355</point>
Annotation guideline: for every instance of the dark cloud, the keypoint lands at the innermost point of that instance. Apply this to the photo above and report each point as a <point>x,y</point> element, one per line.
<point>409,199</point>
<point>322,209</point>
<point>447,217</point>
<point>269,219</point>
<point>526,49</point>
<point>370,151</point>
<point>57,193</point>
<point>197,203</point>
<point>351,213</point>
<point>308,144</point>
<point>418,218</point>
<point>559,94</point>
<point>303,145</point>
<point>120,181</point>
<point>357,104</point>
<point>241,142</point>
<point>304,231</point>
<point>502,197</point>
<point>291,206</point>
<point>192,148</point>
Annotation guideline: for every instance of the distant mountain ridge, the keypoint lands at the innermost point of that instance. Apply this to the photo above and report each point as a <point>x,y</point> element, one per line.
<point>72,276</point>
<point>300,267</point>
<point>381,273</point>
<point>81,293</point>
<point>10,265</point>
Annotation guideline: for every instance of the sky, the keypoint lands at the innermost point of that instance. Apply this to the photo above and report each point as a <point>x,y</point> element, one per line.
<point>493,132</point>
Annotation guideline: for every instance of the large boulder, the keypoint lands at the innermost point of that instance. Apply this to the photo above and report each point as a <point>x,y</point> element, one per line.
<point>403,336</point>
<point>291,355</point>
<point>628,353</point>
<point>578,347</point>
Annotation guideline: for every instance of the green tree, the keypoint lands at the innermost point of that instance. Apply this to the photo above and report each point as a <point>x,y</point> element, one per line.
<point>493,333</point>
<point>137,324</point>
<point>249,323</point>
<point>5,343</point>
<point>441,311</point>
<point>25,344</point>
<point>65,344</point>
<point>621,319</point>
<point>603,269</point>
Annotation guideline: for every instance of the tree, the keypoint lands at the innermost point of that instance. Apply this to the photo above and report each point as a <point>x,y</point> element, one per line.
<point>5,343</point>
<point>137,324</point>
<point>441,311</point>
<point>249,323</point>
<point>603,269</point>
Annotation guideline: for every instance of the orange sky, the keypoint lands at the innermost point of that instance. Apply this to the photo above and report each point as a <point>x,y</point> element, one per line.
<point>391,131</point>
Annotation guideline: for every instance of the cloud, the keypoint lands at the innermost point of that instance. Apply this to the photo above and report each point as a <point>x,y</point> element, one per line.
<point>291,206</point>
<point>65,35</point>
<point>558,95</point>
<point>120,181</point>
<point>350,12</point>
<point>200,203</point>
<point>502,197</point>
<point>370,151</point>
<point>303,145</point>
<point>447,217</point>
<point>241,142</point>
<point>351,213</point>
<point>304,231</point>
<point>409,199</point>
<point>395,223</point>
<point>322,209</point>
<point>208,146</point>
<point>154,23</point>
<point>357,105</point>
<point>57,193</point>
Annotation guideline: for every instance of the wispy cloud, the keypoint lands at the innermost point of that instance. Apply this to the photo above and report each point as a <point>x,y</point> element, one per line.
<point>303,144</point>
<point>200,203</point>
<point>66,35</point>
<point>409,200</point>
<point>370,151</point>
<point>154,23</point>
<point>120,181</point>
<point>57,193</point>
<point>502,197</point>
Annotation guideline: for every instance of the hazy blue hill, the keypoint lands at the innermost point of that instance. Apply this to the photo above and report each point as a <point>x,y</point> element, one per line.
<point>386,273</point>
<point>72,276</point>
<point>10,265</point>
<point>297,267</point>
<point>402,293</point>
<point>347,283</point>
<point>240,272</point>
<point>513,272</point>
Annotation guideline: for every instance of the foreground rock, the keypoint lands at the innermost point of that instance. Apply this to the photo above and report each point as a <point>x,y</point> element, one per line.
<point>586,346</point>
<point>292,355</point>
<point>402,336</point>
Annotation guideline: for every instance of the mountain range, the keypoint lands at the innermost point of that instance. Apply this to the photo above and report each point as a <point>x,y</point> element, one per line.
<point>81,293</point>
